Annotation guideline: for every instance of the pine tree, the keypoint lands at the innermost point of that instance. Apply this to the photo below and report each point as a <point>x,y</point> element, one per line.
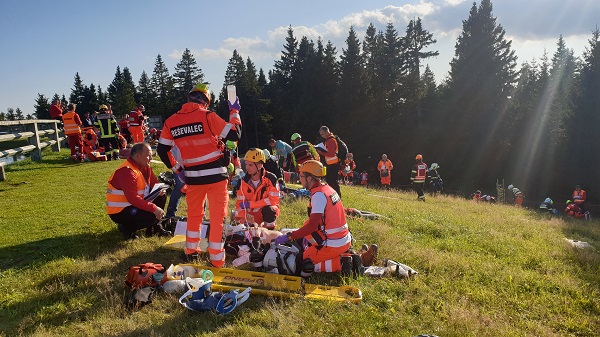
<point>414,42</point>
<point>163,89</point>
<point>10,114</point>
<point>144,92</point>
<point>481,78</point>
<point>352,76</point>
<point>78,91</point>
<point>42,107</point>
<point>583,129</point>
<point>187,75</point>
<point>19,114</point>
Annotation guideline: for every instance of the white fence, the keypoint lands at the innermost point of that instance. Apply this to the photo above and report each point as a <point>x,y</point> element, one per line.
<point>31,130</point>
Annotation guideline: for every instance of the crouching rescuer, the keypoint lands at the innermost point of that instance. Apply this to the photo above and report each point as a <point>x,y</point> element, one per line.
<point>258,195</point>
<point>326,231</point>
<point>199,134</point>
<point>128,188</point>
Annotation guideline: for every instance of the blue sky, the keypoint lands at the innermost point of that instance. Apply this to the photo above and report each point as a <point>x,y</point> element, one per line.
<point>44,43</point>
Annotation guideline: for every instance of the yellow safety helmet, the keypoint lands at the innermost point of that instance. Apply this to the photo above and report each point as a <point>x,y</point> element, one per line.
<point>200,93</point>
<point>103,107</point>
<point>313,167</point>
<point>255,155</point>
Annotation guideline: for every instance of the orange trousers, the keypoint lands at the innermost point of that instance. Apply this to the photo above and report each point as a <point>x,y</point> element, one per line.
<point>217,206</point>
<point>326,259</point>
<point>137,133</point>
<point>519,200</point>
<point>386,180</point>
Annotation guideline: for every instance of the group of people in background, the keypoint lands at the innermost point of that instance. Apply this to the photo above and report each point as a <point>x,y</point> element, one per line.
<point>99,136</point>
<point>575,206</point>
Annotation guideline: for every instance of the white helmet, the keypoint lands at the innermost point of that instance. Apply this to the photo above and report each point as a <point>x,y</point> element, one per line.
<point>510,187</point>
<point>435,166</point>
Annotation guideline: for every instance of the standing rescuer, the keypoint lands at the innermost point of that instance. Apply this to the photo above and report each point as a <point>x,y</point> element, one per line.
<point>136,123</point>
<point>418,175</point>
<point>72,123</point>
<point>199,134</point>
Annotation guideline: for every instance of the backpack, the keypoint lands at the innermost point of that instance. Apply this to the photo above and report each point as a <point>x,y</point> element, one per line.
<point>145,275</point>
<point>283,259</point>
<point>342,149</point>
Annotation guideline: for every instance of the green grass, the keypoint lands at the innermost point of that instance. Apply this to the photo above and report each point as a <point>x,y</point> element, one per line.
<point>485,270</point>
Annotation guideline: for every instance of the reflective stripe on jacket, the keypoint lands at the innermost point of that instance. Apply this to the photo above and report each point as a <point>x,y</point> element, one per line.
<point>334,159</point>
<point>265,194</point>
<point>419,172</point>
<point>333,230</point>
<point>196,131</point>
<point>70,123</point>
<point>115,198</point>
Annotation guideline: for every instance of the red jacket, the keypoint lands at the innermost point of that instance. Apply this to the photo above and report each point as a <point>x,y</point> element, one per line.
<point>124,179</point>
<point>55,111</point>
<point>135,118</point>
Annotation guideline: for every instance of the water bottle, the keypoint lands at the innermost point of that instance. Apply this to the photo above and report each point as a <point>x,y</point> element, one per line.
<point>231,94</point>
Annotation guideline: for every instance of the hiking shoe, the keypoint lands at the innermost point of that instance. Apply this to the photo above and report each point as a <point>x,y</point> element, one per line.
<point>357,265</point>
<point>346,261</point>
<point>370,256</point>
<point>131,236</point>
<point>191,258</point>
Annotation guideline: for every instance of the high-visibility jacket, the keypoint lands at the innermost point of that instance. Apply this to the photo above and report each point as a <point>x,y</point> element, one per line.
<point>419,172</point>
<point>71,122</point>
<point>302,152</point>
<point>135,117</point>
<point>91,139</point>
<point>333,230</point>
<point>123,125</point>
<point>574,210</point>
<point>107,125</point>
<point>265,194</point>
<point>197,133</point>
<point>578,196</point>
<point>115,198</point>
<point>384,167</point>
<point>331,142</point>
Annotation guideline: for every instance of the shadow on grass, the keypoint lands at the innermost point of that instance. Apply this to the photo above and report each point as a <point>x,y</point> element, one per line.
<point>87,245</point>
<point>102,291</point>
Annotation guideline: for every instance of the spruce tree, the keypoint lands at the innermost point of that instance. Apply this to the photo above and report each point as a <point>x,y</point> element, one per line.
<point>144,93</point>
<point>187,74</point>
<point>10,114</point>
<point>120,95</point>
<point>42,107</point>
<point>163,89</point>
<point>352,76</point>
<point>78,92</point>
<point>481,79</point>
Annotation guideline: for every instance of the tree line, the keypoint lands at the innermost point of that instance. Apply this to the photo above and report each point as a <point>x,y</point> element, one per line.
<point>533,126</point>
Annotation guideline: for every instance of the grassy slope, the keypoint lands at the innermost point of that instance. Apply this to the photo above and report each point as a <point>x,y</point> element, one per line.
<point>485,270</point>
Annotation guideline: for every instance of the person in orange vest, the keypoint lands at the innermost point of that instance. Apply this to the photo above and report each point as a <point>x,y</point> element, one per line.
<point>579,197</point>
<point>518,195</point>
<point>575,211</point>
<point>364,177</point>
<point>128,187</point>
<point>347,169</point>
<point>72,123</point>
<point>326,229</point>
<point>418,175</point>
<point>476,196</point>
<point>329,154</point>
<point>136,123</point>
<point>385,168</point>
<point>90,144</point>
<point>258,195</point>
<point>199,134</point>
